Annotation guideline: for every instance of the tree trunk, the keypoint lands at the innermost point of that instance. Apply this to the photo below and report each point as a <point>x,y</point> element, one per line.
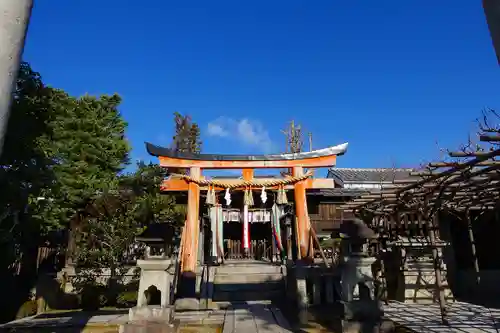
<point>112,286</point>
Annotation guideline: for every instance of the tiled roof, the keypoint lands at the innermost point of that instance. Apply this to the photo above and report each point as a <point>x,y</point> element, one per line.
<point>336,192</point>
<point>358,175</point>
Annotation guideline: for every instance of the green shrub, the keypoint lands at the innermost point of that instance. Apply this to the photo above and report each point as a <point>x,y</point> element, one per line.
<point>92,297</point>
<point>127,298</point>
<point>27,309</point>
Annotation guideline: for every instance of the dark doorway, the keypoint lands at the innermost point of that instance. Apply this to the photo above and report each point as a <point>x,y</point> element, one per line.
<point>261,241</point>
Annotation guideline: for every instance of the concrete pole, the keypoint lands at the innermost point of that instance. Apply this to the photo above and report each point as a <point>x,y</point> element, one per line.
<point>14,20</point>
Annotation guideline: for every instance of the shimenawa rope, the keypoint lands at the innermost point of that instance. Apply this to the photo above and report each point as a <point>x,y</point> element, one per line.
<point>244,183</point>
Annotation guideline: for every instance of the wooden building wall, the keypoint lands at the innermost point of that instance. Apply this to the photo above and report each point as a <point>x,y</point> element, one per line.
<point>324,213</point>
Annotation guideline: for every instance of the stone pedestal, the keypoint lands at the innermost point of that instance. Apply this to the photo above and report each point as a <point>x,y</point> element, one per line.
<point>155,272</point>
<point>149,326</point>
<point>151,312</point>
<point>150,319</point>
<point>189,290</point>
<point>363,310</point>
<point>357,272</point>
<point>296,288</point>
<point>187,304</point>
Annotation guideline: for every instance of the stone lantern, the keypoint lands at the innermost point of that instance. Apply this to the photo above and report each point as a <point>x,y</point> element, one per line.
<point>155,248</point>
<point>356,270</point>
<point>155,286</point>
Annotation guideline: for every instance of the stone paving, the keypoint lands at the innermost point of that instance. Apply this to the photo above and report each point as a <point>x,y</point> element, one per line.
<point>248,317</point>
<point>69,319</point>
<point>462,317</point>
<point>252,318</point>
<point>261,317</point>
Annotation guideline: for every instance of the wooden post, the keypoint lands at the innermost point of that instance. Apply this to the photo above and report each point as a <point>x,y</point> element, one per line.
<point>304,230</point>
<point>406,225</point>
<point>432,225</point>
<point>397,223</point>
<point>289,243</point>
<point>384,293</point>
<point>383,257</point>
<point>390,224</point>
<point>472,246</point>
<point>313,232</point>
<point>212,212</point>
<point>201,243</point>
<point>190,241</point>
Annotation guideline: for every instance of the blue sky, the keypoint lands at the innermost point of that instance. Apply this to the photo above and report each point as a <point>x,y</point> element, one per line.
<point>395,79</point>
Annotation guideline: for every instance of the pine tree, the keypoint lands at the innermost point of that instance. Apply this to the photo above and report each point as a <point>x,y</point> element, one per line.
<point>194,139</point>
<point>88,147</point>
<point>187,135</point>
<point>186,139</point>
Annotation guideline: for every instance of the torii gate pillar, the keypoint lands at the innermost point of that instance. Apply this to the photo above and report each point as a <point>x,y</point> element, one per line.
<point>189,256</point>
<point>190,245</point>
<point>303,224</point>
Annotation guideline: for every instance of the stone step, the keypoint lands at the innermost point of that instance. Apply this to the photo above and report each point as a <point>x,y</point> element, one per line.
<point>248,278</point>
<point>246,286</point>
<point>201,317</point>
<point>224,306</point>
<point>248,269</point>
<point>250,295</point>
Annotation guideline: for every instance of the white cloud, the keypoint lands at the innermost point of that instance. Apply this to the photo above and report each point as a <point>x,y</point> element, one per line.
<point>215,129</point>
<point>249,132</point>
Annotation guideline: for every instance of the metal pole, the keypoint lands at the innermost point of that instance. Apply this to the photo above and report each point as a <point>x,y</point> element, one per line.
<point>14,20</point>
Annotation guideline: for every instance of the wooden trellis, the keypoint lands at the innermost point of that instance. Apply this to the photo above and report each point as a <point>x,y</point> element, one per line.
<point>468,181</point>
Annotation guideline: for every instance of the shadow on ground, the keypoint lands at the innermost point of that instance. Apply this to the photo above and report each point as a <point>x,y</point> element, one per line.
<point>69,321</point>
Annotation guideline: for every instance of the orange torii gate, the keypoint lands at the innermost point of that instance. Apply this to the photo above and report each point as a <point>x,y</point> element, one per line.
<point>195,182</point>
